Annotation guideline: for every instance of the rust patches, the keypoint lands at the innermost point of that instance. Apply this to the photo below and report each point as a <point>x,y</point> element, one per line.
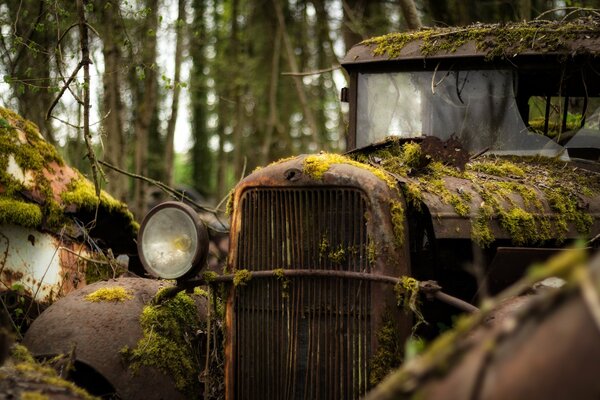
<point>72,266</point>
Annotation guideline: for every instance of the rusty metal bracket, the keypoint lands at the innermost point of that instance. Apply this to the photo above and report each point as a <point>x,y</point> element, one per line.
<point>431,289</point>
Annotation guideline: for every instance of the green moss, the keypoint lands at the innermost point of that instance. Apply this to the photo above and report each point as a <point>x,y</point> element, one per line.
<point>407,294</point>
<point>499,182</point>
<point>34,396</point>
<point>316,165</point>
<point>495,41</point>
<point>338,255</point>
<point>24,368</point>
<point>371,252</point>
<point>481,232</point>
<point>101,271</point>
<point>198,291</point>
<point>414,195</point>
<point>412,156</point>
<point>498,167</point>
<point>167,342</point>
<point>115,294</point>
<point>520,225</point>
<point>241,277</point>
<point>19,213</point>
<point>389,353</point>
<point>209,276</point>
<point>82,193</point>
<point>20,354</point>
<point>398,218</point>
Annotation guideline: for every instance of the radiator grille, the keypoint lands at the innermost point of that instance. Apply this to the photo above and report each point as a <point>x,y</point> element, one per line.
<point>302,338</point>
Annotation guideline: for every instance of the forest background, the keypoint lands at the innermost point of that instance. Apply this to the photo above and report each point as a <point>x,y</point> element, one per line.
<point>197,93</point>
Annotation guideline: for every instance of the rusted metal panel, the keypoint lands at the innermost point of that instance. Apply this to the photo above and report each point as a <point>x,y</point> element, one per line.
<point>99,331</point>
<point>41,264</point>
<point>317,338</point>
<point>549,348</point>
<point>361,53</point>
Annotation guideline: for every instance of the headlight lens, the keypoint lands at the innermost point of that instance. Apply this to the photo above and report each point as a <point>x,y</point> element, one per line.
<point>172,241</point>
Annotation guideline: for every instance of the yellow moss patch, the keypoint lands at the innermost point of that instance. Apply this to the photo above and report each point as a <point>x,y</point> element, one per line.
<point>19,213</point>
<point>82,193</point>
<point>34,396</point>
<point>407,293</point>
<point>115,294</point>
<point>398,218</point>
<point>316,165</point>
<point>241,277</point>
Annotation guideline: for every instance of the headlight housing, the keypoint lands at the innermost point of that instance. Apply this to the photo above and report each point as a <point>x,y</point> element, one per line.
<point>172,241</point>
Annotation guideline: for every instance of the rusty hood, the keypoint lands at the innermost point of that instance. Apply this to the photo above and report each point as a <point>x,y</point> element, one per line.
<point>528,200</point>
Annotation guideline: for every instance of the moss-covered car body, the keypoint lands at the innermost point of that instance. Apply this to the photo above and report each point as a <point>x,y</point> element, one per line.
<point>465,164</point>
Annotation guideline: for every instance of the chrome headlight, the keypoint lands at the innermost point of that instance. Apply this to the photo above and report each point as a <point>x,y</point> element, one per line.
<point>172,241</point>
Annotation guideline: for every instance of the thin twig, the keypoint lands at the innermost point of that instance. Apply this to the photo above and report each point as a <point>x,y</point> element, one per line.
<point>84,257</point>
<point>168,190</point>
<point>63,90</point>
<point>308,73</point>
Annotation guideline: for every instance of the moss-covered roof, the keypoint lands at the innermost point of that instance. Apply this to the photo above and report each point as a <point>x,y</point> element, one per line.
<point>38,190</point>
<point>486,40</point>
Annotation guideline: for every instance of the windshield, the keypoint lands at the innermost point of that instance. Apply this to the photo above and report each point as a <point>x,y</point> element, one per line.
<point>477,107</point>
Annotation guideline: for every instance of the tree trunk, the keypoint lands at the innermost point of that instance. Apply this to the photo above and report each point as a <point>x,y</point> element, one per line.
<point>169,145</point>
<point>146,106</point>
<point>29,71</point>
<point>202,158</point>
<point>409,10</point>
<point>273,117</point>
<point>291,57</point>
<point>112,105</point>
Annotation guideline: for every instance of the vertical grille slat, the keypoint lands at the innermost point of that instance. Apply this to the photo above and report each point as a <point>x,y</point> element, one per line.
<point>310,339</point>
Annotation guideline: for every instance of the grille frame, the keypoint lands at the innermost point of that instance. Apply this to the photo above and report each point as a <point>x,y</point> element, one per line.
<point>391,259</point>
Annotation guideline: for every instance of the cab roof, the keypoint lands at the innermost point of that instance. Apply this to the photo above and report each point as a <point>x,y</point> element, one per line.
<point>483,41</point>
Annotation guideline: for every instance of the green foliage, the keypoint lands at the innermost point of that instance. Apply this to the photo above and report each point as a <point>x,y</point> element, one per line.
<point>168,331</point>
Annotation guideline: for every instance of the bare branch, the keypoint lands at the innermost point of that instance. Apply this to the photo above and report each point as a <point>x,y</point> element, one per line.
<point>308,73</point>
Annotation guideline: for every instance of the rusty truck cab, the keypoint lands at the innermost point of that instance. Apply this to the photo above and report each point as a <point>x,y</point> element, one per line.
<point>326,239</point>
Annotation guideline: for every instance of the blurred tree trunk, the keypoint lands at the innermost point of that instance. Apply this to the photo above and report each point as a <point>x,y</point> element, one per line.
<point>236,90</point>
<point>112,106</point>
<point>273,116</point>
<point>33,43</point>
<point>409,10</point>
<point>201,157</point>
<point>293,65</point>
<point>169,145</point>
<point>221,89</point>
<point>525,10</point>
<point>146,106</point>
<point>352,30</point>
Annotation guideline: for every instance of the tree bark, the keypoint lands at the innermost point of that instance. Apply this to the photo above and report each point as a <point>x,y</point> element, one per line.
<point>29,71</point>
<point>112,105</point>
<point>273,109</point>
<point>308,114</point>
<point>146,106</point>
<point>169,145</point>
<point>201,157</point>
<point>409,10</point>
